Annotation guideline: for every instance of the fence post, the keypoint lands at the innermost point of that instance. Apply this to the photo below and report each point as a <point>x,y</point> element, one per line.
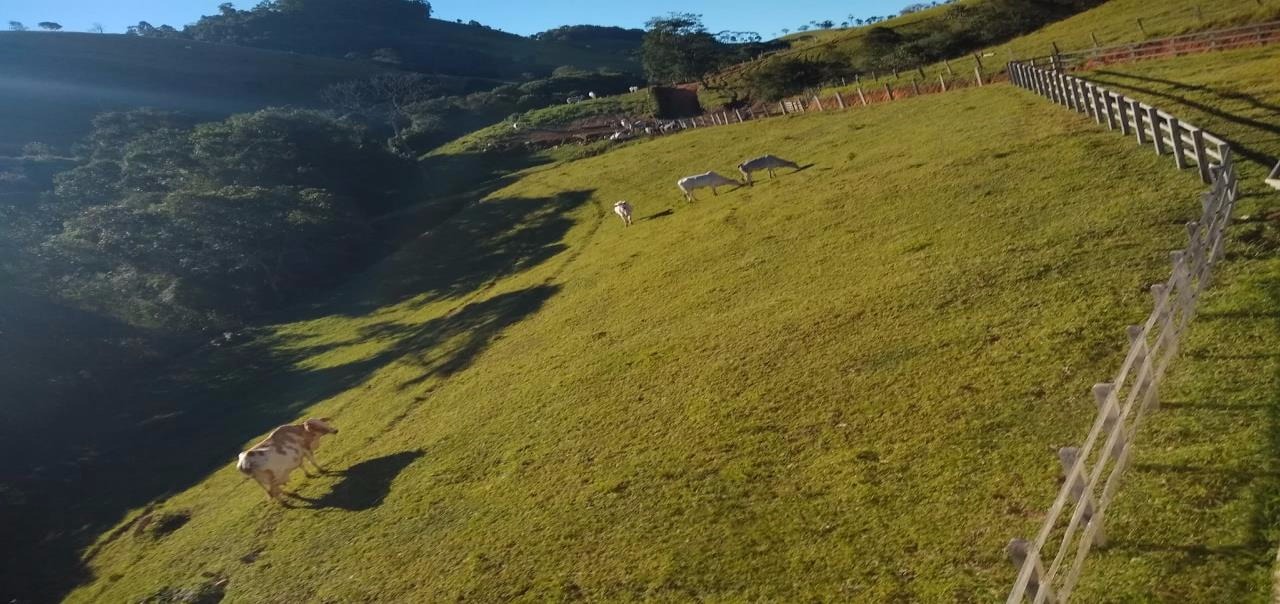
<point>1150,385</point>
<point>739,114</point>
<point>888,90</point>
<point>1179,159</point>
<point>1018,550</point>
<point>943,81</point>
<point>1139,128</point>
<point>783,105</point>
<point>1106,105</point>
<point>1095,99</point>
<point>977,73</point>
<point>1141,28</point>
<point>947,64</point>
<point>1095,40</point>
<point>1122,113</point>
<point>839,100</point>
<point>1065,90</point>
<point>1111,416</point>
<point>915,86</point>
<point>1157,137</point>
<point>818,101</point>
<point>1202,159</point>
<point>861,96</point>
<point>800,103</point>
<point>1079,491</point>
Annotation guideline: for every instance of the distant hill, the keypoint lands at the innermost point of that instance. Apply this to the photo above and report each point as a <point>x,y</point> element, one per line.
<point>52,84</point>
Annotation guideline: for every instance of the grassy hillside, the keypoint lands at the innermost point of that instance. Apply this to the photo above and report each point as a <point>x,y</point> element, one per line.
<point>845,383</point>
<point>1115,22</point>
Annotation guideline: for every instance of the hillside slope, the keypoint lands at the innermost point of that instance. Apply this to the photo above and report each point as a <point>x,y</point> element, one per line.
<point>844,383</point>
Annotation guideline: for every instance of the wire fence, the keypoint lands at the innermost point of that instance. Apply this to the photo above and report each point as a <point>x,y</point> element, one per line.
<point>1050,566</point>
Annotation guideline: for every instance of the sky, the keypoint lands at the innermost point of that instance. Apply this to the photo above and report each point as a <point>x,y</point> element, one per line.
<point>766,17</point>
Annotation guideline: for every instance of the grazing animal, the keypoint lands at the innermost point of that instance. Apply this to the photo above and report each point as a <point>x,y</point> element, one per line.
<point>634,88</point>
<point>623,210</point>
<point>281,452</point>
<point>764,162</point>
<point>704,180</point>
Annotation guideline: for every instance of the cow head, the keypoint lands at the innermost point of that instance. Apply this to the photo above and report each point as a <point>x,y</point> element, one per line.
<point>319,426</point>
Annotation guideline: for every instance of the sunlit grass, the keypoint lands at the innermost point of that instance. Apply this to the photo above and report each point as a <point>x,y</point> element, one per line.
<point>844,383</point>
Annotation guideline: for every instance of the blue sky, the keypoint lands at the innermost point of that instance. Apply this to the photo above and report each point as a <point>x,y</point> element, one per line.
<point>517,16</point>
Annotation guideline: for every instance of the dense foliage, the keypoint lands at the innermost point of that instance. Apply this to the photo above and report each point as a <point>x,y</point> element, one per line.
<point>169,224</point>
<point>678,48</point>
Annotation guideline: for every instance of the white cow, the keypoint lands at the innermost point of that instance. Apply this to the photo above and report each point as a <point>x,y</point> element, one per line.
<point>634,88</point>
<point>768,163</point>
<point>623,210</point>
<point>281,452</point>
<point>704,180</point>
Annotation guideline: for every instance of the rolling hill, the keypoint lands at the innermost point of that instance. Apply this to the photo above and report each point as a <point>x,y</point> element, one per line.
<point>844,382</point>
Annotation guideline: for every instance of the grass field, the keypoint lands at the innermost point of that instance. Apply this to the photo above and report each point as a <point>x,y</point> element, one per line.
<point>845,383</point>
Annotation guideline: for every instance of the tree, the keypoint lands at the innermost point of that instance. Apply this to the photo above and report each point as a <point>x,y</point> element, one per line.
<point>96,28</point>
<point>49,26</point>
<point>141,29</point>
<point>677,48</point>
<point>17,26</point>
<point>827,24</point>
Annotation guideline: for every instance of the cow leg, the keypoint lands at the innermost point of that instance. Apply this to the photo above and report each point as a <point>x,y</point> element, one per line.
<point>311,457</point>
<point>266,479</point>
<point>713,192</point>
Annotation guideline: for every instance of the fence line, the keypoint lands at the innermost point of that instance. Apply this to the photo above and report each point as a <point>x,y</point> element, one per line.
<point>1219,39</point>
<point>1075,521</point>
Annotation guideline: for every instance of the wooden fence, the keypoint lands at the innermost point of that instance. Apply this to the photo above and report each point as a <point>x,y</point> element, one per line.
<point>1221,39</point>
<point>836,102</point>
<point>1050,565</point>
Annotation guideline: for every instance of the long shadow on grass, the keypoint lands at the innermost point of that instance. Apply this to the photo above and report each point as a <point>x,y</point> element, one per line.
<point>161,437</point>
<point>1258,127</point>
<point>487,241</point>
<point>365,485</point>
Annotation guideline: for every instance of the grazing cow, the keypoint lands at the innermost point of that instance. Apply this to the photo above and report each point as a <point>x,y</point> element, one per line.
<point>705,180</point>
<point>281,452</point>
<point>768,163</point>
<point>634,88</point>
<point>623,210</point>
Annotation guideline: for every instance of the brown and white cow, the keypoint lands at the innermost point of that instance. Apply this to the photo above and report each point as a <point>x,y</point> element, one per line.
<point>281,452</point>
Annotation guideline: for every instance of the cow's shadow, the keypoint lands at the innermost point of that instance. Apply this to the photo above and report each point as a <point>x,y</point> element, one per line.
<point>365,485</point>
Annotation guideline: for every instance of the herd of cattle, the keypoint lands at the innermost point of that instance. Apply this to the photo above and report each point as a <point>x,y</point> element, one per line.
<point>288,447</point>
<point>711,180</point>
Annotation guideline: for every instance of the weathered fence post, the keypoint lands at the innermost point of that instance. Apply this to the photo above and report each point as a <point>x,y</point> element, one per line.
<point>915,86</point>
<point>1106,105</point>
<point>977,73</point>
<point>1122,112</point>
<point>1095,40</point>
<point>1157,136</point>
<point>888,90</point>
<point>1139,128</point>
<point>839,100</point>
<point>783,106</point>
<point>861,96</point>
<point>1079,487</point>
<point>1141,28</point>
<point>1202,158</point>
<point>1147,387</point>
<point>739,114</point>
<point>1175,136</point>
<point>1111,417</point>
<point>800,103</point>
<point>1018,550</point>
<point>818,102</point>
<point>943,81</point>
<point>947,64</point>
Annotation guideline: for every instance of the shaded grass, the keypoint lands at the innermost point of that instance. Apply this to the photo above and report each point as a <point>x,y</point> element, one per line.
<point>843,383</point>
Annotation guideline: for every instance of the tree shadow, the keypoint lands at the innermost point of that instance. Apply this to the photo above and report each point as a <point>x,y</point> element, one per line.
<point>58,496</point>
<point>365,485</point>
